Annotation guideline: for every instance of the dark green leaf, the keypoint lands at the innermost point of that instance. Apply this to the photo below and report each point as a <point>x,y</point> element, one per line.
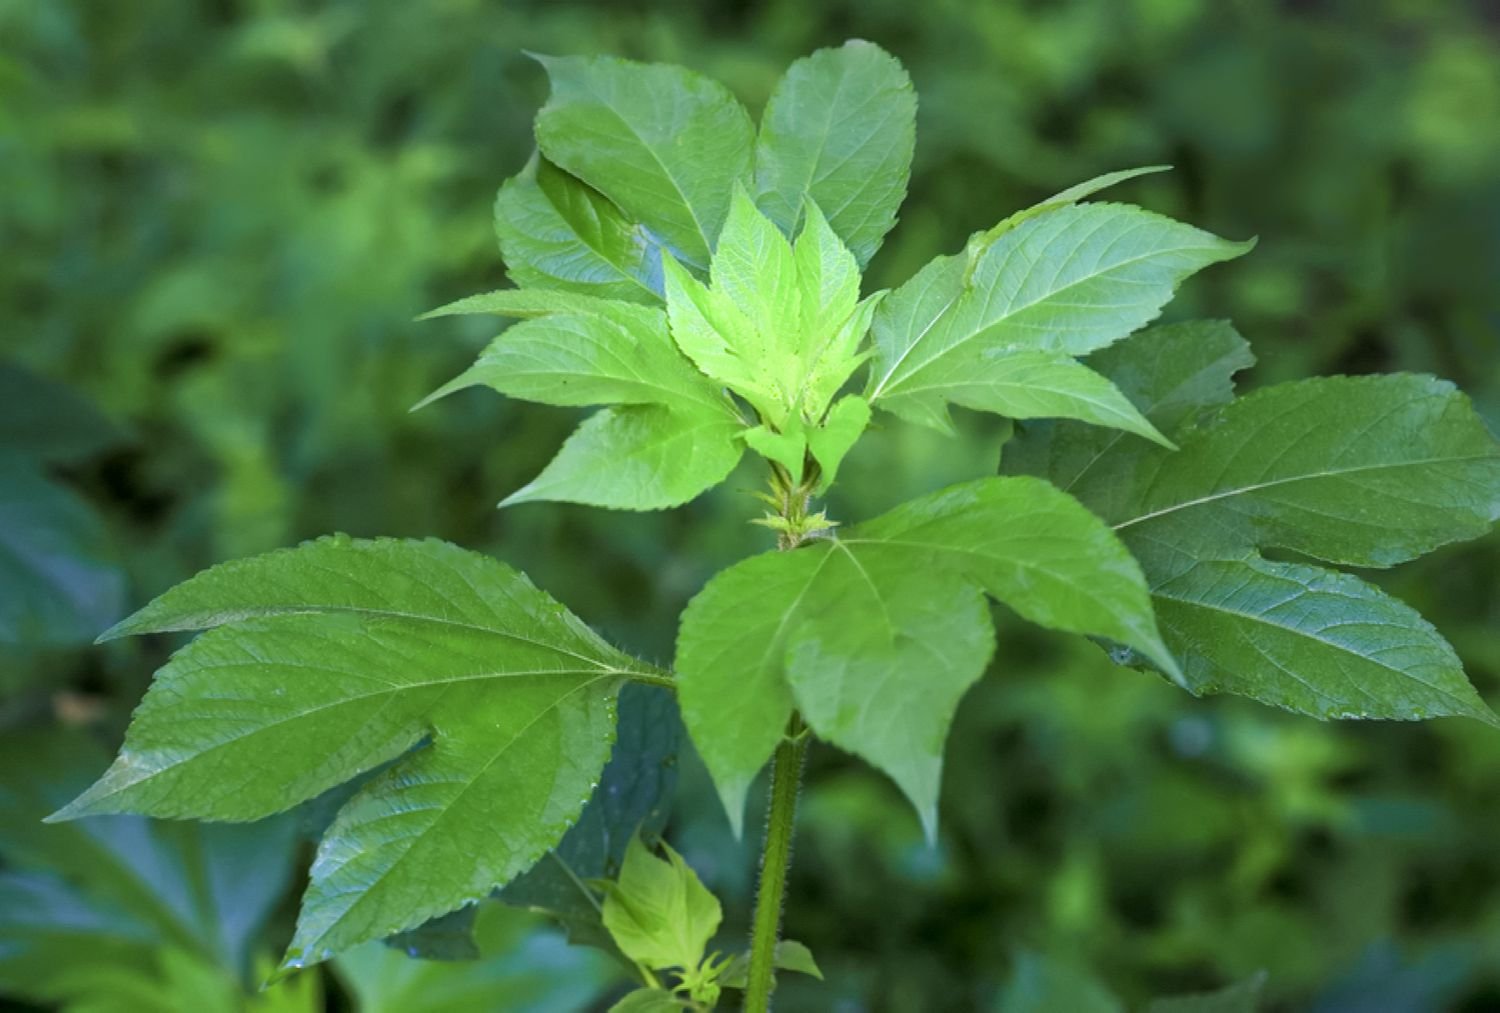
<point>341,655</point>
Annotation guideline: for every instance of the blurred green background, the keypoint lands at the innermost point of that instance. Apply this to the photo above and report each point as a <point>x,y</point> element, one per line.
<point>217,221</point>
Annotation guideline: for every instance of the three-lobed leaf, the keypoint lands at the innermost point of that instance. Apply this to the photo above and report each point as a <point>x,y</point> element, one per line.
<point>876,633</point>
<point>339,656</point>
<point>1062,280</point>
<point>1368,471</point>
<point>659,913</point>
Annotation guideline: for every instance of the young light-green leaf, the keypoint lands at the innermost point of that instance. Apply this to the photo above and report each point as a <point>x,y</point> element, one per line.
<point>1368,471</point>
<point>659,913</point>
<point>664,144</point>
<point>840,129</point>
<point>557,232</point>
<point>342,655</point>
<point>1070,280</point>
<point>875,634</point>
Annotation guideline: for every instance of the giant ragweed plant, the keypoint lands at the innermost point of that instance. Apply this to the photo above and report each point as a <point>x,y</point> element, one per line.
<point>699,279</point>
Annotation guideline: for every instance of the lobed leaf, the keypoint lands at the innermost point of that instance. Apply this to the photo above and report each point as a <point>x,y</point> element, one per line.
<point>839,129</point>
<point>875,635</point>
<point>1065,281</point>
<point>336,657</point>
<point>659,913</point>
<point>1368,471</point>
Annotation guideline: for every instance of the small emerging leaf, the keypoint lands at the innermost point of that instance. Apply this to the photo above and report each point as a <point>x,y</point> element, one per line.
<point>658,912</point>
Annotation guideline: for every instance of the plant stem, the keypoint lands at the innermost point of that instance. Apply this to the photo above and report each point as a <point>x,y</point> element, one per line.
<point>775,860</point>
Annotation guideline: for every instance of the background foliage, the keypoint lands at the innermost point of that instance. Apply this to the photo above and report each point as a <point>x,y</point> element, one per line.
<point>219,221</point>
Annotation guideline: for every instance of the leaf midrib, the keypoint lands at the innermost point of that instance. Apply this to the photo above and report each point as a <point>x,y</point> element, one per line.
<point>1292,479</point>
<point>368,890</point>
<point>1014,310</point>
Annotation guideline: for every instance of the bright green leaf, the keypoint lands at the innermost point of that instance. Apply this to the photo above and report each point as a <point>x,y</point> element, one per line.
<point>779,325</point>
<point>343,655</point>
<point>788,449</point>
<point>876,633</point>
<point>593,352</point>
<point>557,232</point>
<point>674,434</point>
<point>837,435</point>
<point>1070,280</point>
<point>639,457</point>
<point>658,912</point>
<point>664,144</point>
<point>839,129</point>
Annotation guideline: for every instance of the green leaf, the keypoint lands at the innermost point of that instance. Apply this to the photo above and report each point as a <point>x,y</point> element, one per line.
<point>876,634</point>
<point>839,129</point>
<point>1070,280</point>
<point>45,420</point>
<point>342,655</point>
<point>649,1000</point>
<point>787,449</point>
<point>642,457</point>
<point>658,912</point>
<point>664,144</point>
<point>1368,471</point>
<point>589,352</point>
<point>779,325</point>
<point>557,232</point>
<point>789,955</point>
<point>675,434</point>
<point>1241,997</point>
<point>634,794</point>
<point>56,564</point>
<point>1029,385</point>
<point>837,435</point>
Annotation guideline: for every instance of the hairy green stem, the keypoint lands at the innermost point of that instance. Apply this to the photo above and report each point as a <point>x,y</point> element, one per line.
<point>651,679</point>
<point>775,860</point>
